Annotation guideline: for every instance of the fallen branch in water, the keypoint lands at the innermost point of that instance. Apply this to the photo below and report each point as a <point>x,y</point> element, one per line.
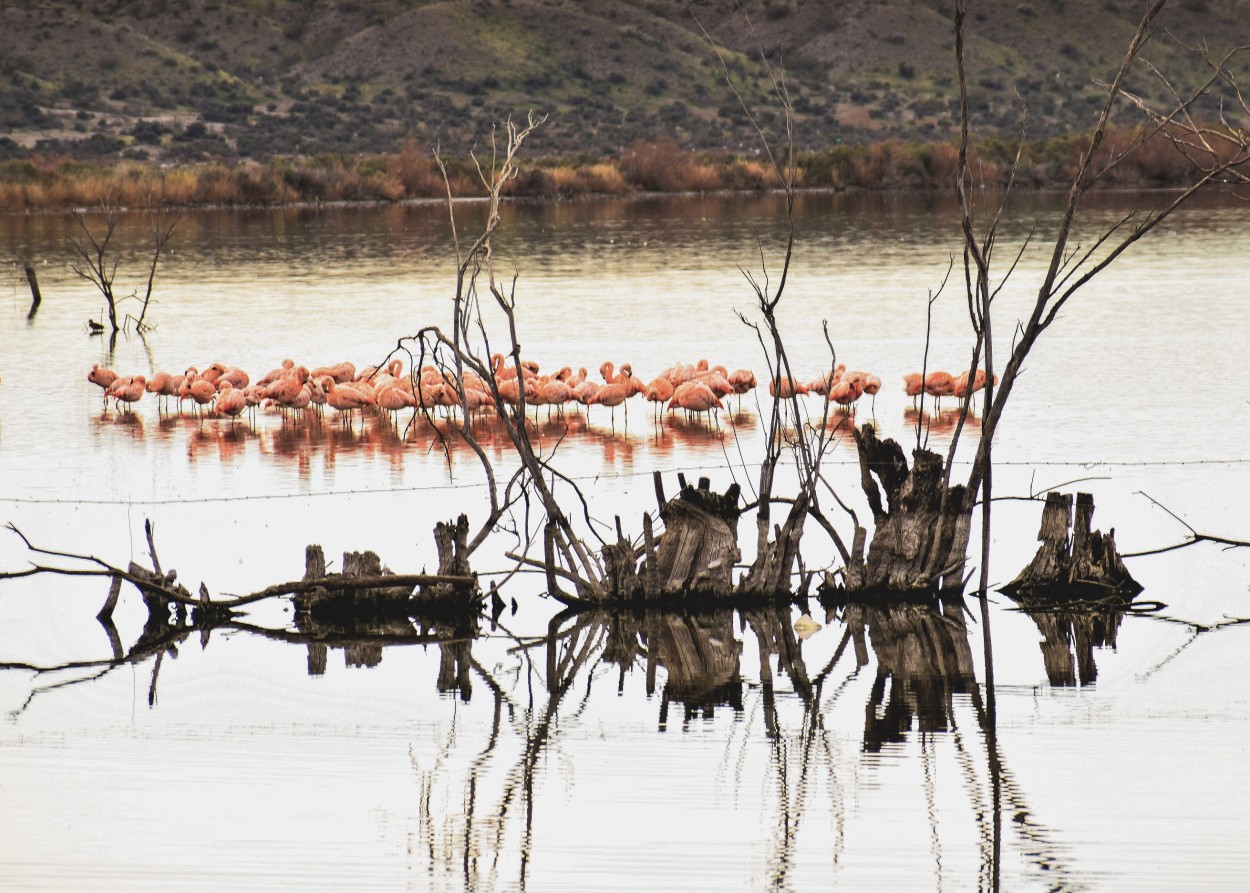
<point>1194,536</point>
<point>161,586</point>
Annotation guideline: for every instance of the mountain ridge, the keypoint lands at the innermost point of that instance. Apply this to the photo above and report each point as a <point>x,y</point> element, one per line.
<point>218,79</point>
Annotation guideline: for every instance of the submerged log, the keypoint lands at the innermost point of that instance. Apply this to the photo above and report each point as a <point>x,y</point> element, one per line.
<point>36,297</point>
<point>1073,563</point>
<point>920,540</point>
<point>362,592</point>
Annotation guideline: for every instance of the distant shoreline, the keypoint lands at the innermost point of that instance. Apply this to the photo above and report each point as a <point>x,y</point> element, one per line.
<point>60,185</point>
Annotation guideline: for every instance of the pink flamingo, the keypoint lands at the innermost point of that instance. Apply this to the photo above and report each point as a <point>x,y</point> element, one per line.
<point>102,377</point>
<point>785,388</point>
<point>938,385</point>
<point>198,389</point>
<point>274,374</point>
<point>162,384</point>
<point>131,392</point>
<point>694,396</point>
<point>231,401</point>
<point>615,392</point>
<point>343,398</point>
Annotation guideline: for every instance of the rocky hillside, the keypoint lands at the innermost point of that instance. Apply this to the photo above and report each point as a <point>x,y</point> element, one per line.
<point>189,79</point>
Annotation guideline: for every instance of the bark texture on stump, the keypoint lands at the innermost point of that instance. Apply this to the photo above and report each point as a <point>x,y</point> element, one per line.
<point>451,540</point>
<point>699,547</point>
<point>921,528</point>
<point>1073,562</point>
<point>769,575</point>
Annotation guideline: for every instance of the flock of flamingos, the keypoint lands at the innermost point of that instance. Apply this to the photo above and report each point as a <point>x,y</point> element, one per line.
<point>229,392</point>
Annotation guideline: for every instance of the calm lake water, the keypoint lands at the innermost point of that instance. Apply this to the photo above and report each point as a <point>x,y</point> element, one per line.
<point>554,752</point>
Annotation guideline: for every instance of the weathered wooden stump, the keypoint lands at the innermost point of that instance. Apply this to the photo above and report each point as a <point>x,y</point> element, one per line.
<point>1073,561</point>
<point>698,549</point>
<point>352,602</point>
<point>920,538</point>
<point>451,540</point>
<point>326,603</point>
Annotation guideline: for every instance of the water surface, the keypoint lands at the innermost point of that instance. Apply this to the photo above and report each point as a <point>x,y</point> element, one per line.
<point>625,752</point>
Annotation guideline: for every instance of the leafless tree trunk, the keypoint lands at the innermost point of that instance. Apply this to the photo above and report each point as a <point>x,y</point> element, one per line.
<point>1216,152</point>
<point>97,258</point>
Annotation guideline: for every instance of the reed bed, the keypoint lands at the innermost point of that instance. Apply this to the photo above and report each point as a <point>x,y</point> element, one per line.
<point>58,183</point>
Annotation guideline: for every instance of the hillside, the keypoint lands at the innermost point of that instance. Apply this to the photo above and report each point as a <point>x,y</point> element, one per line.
<point>178,80</point>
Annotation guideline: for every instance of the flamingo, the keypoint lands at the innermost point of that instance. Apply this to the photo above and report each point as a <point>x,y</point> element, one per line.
<point>131,391</point>
<point>197,389</point>
<point>231,401</point>
<point>212,372</point>
<point>659,392</point>
<point>694,396</point>
<point>615,392</point>
<point>286,389</point>
<point>785,388</point>
<point>340,372</point>
<point>913,384</point>
<point>743,380</point>
<point>274,374</point>
<point>872,385</point>
<point>938,385</point>
<point>162,384</point>
<point>343,398</point>
<point>846,392</point>
<point>393,399</point>
<point>236,376</point>
<point>102,377</point>
<point>553,392</point>
<point>825,383</point>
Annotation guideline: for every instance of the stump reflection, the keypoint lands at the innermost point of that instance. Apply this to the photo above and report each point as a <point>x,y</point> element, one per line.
<point>1070,633</point>
<point>923,661</point>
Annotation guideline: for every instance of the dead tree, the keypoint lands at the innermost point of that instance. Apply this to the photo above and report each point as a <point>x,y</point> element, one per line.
<point>1216,152</point>
<point>789,428</point>
<point>468,350</point>
<point>97,258</point>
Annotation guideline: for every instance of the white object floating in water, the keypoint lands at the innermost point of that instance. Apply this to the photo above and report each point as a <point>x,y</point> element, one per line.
<point>805,626</point>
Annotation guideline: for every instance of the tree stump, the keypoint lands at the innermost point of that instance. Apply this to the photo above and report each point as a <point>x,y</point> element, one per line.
<point>1084,565</point>
<point>698,549</point>
<point>920,537</point>
<point>326,604</point>
<point>451,540</point>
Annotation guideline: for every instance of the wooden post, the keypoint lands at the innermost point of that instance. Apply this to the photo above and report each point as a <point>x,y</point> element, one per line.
<point>35,297</point>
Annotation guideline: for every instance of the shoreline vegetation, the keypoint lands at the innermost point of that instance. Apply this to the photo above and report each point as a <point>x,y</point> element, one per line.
<point>57,183</point>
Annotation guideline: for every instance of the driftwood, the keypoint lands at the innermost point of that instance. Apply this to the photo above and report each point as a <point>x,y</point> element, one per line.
<point>1079,566</point>
<point>920,540</point>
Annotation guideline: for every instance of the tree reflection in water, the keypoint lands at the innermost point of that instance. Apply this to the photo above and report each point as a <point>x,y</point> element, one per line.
<point>476,815</point>
<point>1070,633</point>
